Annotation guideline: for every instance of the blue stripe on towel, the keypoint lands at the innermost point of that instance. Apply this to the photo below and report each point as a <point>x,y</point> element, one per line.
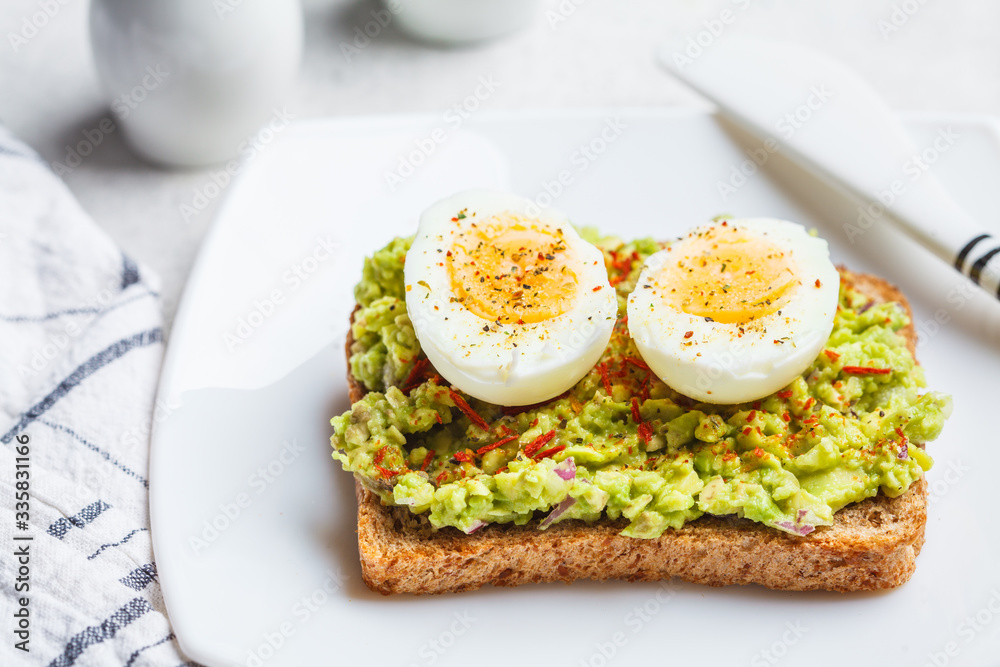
<point>82,372</point>
<point>96,634</point>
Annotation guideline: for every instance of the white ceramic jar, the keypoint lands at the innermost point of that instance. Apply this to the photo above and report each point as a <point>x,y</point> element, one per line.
<point>190,81</point>
<point>461,21</point>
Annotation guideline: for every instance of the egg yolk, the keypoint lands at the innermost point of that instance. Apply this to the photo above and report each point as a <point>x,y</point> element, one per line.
<point>729,276</point>
<point>508,270</point>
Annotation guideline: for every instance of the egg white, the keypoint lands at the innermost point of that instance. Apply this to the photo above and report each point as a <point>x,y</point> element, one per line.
<point>718,362</point>
<point>506,364</point>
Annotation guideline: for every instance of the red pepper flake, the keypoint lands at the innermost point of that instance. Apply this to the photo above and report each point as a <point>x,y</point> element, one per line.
<point>413,378</point>
<point>645,432</point>
<point>753,413</point>
<point>747,431</point>
<point>785,394</point>
<point>539,442</point>
<point>462,456</point>
<point>598,288</point>
<point>427,460</point>
<point>622,265</point>
<point>786,417</point>
<point>549,452</point>
<point>644,390</point>
<point>380,454</point>
<point>758,452</point>
<point>863,370</point>
<point>386,473</point>
<point>469,412</point>
<point>831,354</point>
<point>534,423</point>
<point>635,411</point>
<point>902,436</point>
<point>818,283</point>
<point>809,403</point>
<point>756,405</point>
<point>498,443</point>
<point>602,368</point>
<point>638,363</point>
<point>437,416</point>
<point>688,334</point>
<point>440,477</point>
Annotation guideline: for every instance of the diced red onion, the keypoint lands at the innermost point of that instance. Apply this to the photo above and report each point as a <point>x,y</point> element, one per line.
<point>476,525</point>
<point>566,469</point>
<point>557,511</point>
<point>797,528</point>
<point>904,451</point>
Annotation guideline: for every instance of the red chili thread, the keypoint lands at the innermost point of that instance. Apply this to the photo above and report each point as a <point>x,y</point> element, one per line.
<point>863,370</point>
<point>469,412</point>
<point>539,442</point>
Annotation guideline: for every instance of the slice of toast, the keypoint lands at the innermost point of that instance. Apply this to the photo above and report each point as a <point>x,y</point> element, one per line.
<point>871,545</point>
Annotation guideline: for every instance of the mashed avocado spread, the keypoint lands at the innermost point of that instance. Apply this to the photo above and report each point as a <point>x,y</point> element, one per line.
<point>620,443</point>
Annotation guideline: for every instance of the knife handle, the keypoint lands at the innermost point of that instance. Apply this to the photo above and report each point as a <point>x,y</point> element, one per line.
<point>975,259</point>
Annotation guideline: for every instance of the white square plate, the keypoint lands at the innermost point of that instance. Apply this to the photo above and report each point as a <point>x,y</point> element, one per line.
<point>254,524</point>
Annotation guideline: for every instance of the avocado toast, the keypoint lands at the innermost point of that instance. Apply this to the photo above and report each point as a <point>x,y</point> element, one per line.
<point>863,545</point>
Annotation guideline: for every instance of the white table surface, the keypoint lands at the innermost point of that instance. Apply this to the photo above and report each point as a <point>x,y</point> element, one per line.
<point>946,57</point>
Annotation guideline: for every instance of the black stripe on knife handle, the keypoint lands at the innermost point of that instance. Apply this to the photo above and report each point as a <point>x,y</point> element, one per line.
<point>960,260</point>
<point>977,268</point>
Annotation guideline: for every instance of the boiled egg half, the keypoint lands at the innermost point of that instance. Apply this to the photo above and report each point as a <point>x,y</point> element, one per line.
<point>736,309</point>
<point>508,302</point>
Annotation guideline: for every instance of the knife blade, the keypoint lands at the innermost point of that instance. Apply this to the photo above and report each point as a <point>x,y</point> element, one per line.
<point>829,121</point>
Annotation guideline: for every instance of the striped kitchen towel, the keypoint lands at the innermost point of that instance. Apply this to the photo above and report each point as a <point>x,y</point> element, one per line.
<point>80,351</point>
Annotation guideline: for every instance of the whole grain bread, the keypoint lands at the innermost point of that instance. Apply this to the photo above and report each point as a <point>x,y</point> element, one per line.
<point>871,545</point>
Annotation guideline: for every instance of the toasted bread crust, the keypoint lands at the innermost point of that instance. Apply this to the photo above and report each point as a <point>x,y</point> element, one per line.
<point>871,545</point>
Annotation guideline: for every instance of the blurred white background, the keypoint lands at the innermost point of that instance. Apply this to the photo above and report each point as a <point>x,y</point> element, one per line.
<point>921,54</point>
